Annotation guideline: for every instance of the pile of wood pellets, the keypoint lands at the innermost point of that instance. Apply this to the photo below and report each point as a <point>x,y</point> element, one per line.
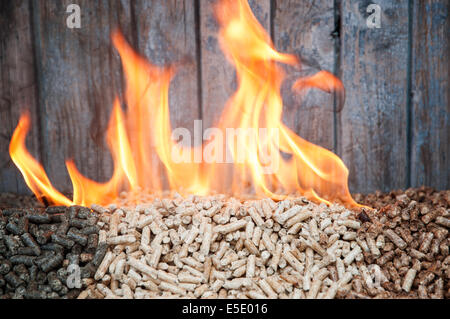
<point>222,247</point>
<point>38,245</point>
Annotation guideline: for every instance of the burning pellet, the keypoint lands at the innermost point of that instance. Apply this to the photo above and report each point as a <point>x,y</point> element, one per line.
<point>397,240</point>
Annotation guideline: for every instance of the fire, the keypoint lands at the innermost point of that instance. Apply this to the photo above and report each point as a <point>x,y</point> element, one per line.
<point>269,156</point>
<point>32,171</point>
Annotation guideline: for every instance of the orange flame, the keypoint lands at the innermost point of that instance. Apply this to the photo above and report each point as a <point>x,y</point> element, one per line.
<point>33,172</point>
<point>268,155</point>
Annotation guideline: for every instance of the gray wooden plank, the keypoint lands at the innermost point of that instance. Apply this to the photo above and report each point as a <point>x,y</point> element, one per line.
<point>219,82</point>
<point>17,89</point>
<point>372,125</point>
<point>430,117</point>
<point>79,74</point>
<point>218,75</point>
<point>166,35</point>
<point>304,28</point>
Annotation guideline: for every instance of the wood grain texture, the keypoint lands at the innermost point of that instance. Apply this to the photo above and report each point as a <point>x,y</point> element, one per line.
<point>218,75</point>
<point>304,28</point>
<point>372,130</point>
<point>430,117</point>
<point>17,88</point>
<point>79,75</point>
<point>166,35</point>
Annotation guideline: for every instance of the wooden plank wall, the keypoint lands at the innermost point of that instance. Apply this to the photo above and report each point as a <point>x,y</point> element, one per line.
<point>374,69</point>
<point>430,100</point>
<point>393,132</point>
<point>17,88</point>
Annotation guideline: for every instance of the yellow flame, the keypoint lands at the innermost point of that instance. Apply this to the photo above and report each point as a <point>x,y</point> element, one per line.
<point>141,144</point>
<point>33,172</point>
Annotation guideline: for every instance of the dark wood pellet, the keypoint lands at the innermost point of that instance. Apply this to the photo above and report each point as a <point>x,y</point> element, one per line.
<point>36,247</point>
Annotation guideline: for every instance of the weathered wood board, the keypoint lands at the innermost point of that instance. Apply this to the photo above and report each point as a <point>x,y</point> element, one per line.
<point>17,88</point>
<point>79,75</point>
<point>374,67</point>
<point>430,112</point>
<point>218,75</point>
<point>166,35</point>
<point>304,28</point>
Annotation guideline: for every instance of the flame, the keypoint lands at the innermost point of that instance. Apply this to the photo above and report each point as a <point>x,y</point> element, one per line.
<point>86,191</point>
<point>270,157</point>
<point>33,172</point>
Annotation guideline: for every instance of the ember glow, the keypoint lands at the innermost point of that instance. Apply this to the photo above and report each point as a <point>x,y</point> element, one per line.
<point>142,133</point>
